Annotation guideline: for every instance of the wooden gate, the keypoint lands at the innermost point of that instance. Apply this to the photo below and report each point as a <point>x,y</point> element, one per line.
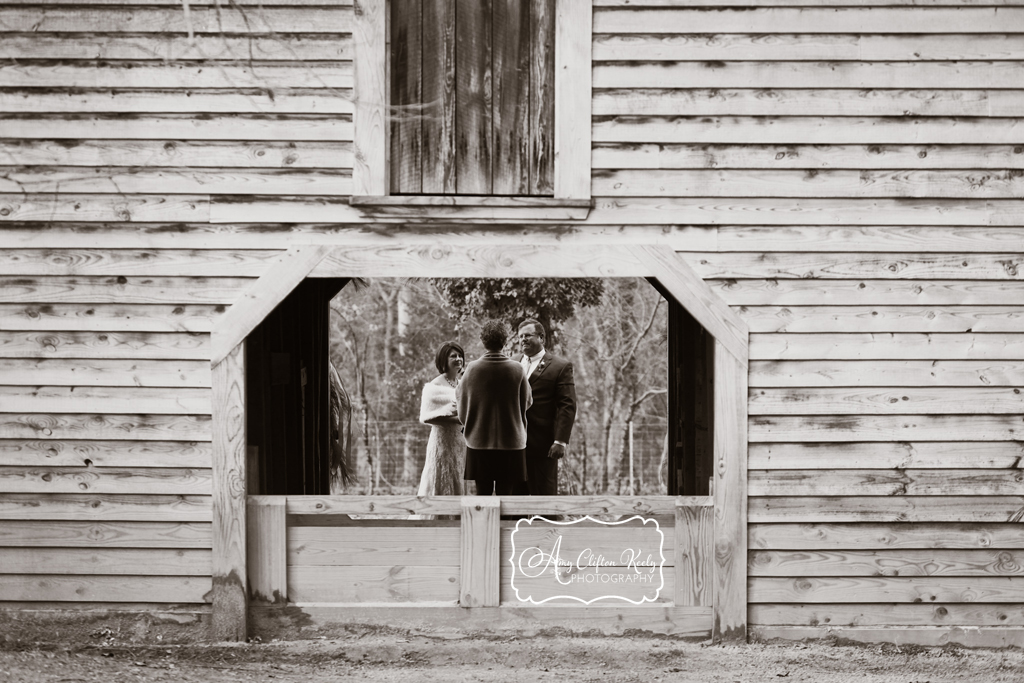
<point>444,562</point>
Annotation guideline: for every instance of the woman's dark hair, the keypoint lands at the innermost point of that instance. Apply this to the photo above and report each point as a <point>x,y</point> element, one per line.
<point>441,359</point>
<point>494,334</point>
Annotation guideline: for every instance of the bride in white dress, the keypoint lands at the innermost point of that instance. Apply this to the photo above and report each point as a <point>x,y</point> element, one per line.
<point>446,447</point>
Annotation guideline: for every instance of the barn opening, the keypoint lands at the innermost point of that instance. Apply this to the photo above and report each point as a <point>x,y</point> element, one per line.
<point>644,377</point>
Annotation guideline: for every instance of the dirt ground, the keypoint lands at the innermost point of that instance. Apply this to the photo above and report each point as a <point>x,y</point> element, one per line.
<point>375,656</point>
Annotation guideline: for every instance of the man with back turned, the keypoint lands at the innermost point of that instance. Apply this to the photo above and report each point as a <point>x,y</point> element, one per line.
<point>549,420</point>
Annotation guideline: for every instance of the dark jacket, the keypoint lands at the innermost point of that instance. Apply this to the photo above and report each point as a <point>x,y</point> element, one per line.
<point>553,412</point>
<point>492,399</point>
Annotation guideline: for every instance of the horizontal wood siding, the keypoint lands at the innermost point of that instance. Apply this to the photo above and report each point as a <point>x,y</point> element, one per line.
<point>854,161</point>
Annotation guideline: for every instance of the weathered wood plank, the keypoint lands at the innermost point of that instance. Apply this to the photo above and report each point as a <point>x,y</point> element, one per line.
<point>182,153</point>
<point>976,184</point>
<point>510,260</point>
<point>176,589</point>
<point>397,583</point>
<point>480,562</point>
<point>865,373</point>
<point>241,127</point>
<point>122,290</point>
<point>594,535</point>
<point>114,480</point>
<point>230,577</point>
<point>901,636</point>
<point>875,266</point>
<point>812,20</point>
<point>109,426</point>
<point>52,453</point>
<point>867,76</point>
<point>895,482</point>
<point>867,292</point>
<point>900,455</point>
<point>86,207</point>
<point>102,561</point>
<point>886,615</point>
<point>517,505</point>
<point>886,428</point>
<point>76,399</point>
<point>106,373</point>
<point>173,181</point>
<point>891,346</point>
<point>776,95</point>
<point>96,535</point>
<point>889,509</point>
<point>473,133</point>
<point>901,589</point>
<point>171,345</point>
<point>612,155</point>
<point>572,101</point>
<point>438,87</point>
<point>171,47</point>
<point>93,318</point>
<point>883,318</point>
<point>882,536</point>
<point>856,130</point>
<point>220,19</point>
<point>14,74</point>
<point>206,101</point>
<point>790,563</point>
<point>373,546</point>
<point>370,174</point>
<point>267,551</point>
<point>885,400</point>
<point>852,46</point>
<point>405,65</point>
<point>694,556</point>
<point>511,96</point>
<point>147,262</point>
<point>104,507</point>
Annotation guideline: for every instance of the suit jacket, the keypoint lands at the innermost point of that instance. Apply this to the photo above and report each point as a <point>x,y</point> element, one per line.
<point>553,412</point>
<point>492,400</point>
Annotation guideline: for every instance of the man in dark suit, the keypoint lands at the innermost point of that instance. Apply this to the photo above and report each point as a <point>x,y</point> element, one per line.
<point>549,420</point>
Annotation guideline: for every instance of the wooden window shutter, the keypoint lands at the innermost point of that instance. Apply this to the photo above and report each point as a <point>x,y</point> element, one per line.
<point>472,97</point>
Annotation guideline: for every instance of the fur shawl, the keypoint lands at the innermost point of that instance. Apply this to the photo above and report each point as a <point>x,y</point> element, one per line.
<point>438,402</point>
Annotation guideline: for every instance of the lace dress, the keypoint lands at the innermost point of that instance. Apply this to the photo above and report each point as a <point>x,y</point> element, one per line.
<point>446,447</point>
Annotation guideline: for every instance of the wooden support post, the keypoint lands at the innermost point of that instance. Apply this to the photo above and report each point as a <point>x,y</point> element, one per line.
<point>694,554</point>
<point>267,549</point>
<point>230,596</point>
<point>573,67</point>
<point>730,495</point>
<point>481,560</point>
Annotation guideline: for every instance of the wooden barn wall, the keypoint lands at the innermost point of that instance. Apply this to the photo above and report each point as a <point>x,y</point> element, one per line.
<point>849,178</point>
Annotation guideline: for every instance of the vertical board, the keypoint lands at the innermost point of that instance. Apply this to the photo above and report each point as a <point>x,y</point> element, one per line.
<point>694,555</point>
<point>511,68</point>
<point>370,169</point>
<point>230,594</point>
<point>730,494</point>
<point>473,135</point>
<point>481,542</point>
<point>267,549</point>
<point>572,98</point>
<point>542,97</point>
<point>438,91</point>
<point>405,110</point>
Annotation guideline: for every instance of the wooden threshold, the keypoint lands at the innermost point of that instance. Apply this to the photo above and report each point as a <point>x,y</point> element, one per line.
<point>683,622</point>
<point>441,206</point>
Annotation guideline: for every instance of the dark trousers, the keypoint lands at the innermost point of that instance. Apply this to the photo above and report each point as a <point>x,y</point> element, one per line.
<point>487,487</point>
<point>542,475</point>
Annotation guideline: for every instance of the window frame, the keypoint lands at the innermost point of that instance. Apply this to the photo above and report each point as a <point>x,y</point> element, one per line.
<point>572,141</point>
